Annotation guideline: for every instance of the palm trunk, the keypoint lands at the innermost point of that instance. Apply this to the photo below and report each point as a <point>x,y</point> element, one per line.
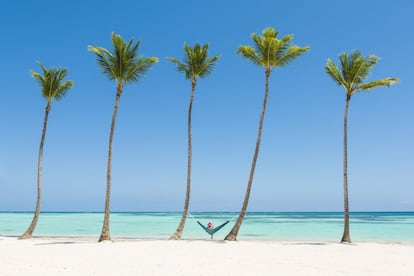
<point>32,226</point>
<point>178,233</point>
<point>346,236</point>
<point>105,234</point>
<point>232,235</point>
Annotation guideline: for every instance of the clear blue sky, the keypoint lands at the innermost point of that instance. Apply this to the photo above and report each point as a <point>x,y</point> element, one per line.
<point>300,163</point>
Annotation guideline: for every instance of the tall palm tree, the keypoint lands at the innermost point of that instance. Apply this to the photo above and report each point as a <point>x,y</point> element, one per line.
<point>124,66</point>
<point>53,88</point>
<point>267,52</point>
<point>354,70</point>
<point>195,64</point>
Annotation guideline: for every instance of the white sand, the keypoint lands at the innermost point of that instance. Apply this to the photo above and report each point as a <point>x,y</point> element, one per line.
<point>71,256</point>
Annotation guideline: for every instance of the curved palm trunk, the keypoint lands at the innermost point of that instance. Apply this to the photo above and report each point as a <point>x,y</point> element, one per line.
<point>32,226</point>
<point>178,233</point>
<point>232,235</point>
<point>105,234</point>
<point>346,236</point>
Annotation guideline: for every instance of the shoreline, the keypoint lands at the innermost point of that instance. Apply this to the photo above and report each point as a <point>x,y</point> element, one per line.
<point>94,239</point>
<point>80,256</point>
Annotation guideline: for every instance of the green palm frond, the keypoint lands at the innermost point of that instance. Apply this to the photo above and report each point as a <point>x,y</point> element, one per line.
<point>207,68</point>
<point>181,67</point>
<point>140,68</point>
<point>269,33</point>
<point>345,64</point>
<point>250,54</point>
<point>333,72</point>
<point>196,62</point>
<point>291,54</point>
<point>44,69</point>
<point>258,47</point>
<point>39,78</point>
<point>280,48</point>
<point>105,61</point>
<point>268,51</point>
<point>354,70</point>
<point>374,84</point>
<point>63,90</point>
<point>123,64</point>
<point>360,69</point>
<point>60,89</point>
<point>51,82</point>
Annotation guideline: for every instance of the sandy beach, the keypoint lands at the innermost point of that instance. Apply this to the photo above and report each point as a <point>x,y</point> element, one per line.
<point>81,256</point>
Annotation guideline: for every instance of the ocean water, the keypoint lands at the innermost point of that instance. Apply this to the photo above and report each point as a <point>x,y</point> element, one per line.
<point>289,226</point>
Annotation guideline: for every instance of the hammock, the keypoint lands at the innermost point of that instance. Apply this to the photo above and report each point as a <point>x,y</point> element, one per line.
<point>211,231</point>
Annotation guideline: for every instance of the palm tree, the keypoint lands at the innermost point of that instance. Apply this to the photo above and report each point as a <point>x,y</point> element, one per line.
<point>52,89</point>
<point>354,70</point>
<point>267,52</point>
<point>124,66</point>
<point>196,64</point>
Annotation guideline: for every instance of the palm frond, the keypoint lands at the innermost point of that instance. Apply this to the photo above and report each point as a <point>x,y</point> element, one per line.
<point>269,32</point>
<point>283,46</point>
<point>258,47</point>
<point>62,90</point>
<point>105,61</point>
<point>333,72</point>
<point>208,67</point>
<point>181,67</point>
<point>44,69</point>
<point>377,83</point>
<point>360,68</point>
<point>39,78</point>
<point>292,53</point>
<point>250,54</point>
<point>343,59</point>
<point>176,61</point>
<point>140,68</point>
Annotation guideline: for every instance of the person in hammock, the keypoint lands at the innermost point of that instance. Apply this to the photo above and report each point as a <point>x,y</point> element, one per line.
<point>210,229</point>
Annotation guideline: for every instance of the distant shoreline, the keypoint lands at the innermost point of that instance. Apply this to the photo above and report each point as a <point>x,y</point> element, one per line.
<point>117,239</point>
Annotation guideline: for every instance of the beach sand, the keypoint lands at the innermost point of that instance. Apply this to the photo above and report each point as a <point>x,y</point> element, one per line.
<point>84,256</point>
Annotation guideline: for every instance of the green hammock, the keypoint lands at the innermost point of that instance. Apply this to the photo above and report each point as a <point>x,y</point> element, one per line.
<point>213,230</point>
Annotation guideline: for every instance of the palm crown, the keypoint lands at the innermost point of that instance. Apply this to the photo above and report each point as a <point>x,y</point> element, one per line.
<point>124,64</point>
<point>354,70</point>
<point>196,62</point>
<point>51,82</point>
<point>269,51</point>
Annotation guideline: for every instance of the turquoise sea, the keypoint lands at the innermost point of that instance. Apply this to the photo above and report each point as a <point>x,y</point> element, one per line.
<point>290,226</point>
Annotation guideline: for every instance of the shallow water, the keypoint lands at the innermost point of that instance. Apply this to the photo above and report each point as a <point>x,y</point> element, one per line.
<point>292,226</point>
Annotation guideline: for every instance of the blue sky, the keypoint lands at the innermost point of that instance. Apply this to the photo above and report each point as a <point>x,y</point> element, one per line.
<point>300,163</point>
